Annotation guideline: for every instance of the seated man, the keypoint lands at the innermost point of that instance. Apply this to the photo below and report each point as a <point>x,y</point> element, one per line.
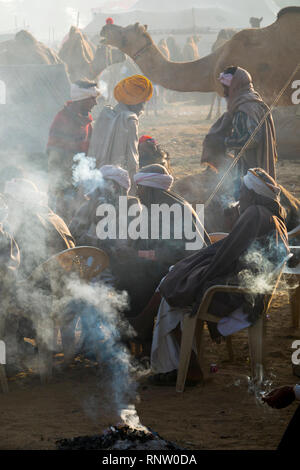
<point>154,185</point>
<point>151,152</point>
<point>38,232</point>
<point>257,243</point>
<point>110,183</point>
<point>114,183</point>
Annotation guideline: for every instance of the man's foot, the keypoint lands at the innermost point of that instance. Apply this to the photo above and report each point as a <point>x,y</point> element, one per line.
<point>169,379</point>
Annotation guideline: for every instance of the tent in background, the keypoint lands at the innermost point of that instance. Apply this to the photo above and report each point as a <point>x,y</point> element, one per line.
<point>191,16</point>
<point>243,10</point>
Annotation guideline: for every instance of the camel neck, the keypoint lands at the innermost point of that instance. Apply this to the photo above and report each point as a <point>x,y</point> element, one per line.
<point>179,76</point>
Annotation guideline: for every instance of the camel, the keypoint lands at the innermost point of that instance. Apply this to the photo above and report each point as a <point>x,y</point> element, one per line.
<point>255,22</point>
<point>163,47</point>
<point>24,49</point>
<point>223,36</point>
<point>287,122</point>
<point>81,58</point>
<point>190,49</point>
<point>270,54</point>
<point>174,49</point>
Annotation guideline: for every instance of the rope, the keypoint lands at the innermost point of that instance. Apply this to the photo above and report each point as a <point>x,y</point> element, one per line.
<point>251,137</point>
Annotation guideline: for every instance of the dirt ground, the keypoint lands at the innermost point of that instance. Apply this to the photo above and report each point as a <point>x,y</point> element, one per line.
<point>222,414</point>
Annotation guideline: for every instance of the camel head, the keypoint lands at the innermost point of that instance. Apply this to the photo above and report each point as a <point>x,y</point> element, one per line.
<point>129,40</point>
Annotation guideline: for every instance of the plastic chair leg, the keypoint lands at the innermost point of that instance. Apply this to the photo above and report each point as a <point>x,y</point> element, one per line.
<point>256,344</point>
<point>199,338</point>
<point>188,333</point>
<point>230,348</point>
<point>45,344</point>
<point>3,379</point>
<point>68,340</point>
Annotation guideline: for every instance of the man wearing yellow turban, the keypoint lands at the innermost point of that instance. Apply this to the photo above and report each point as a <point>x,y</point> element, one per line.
<point>133,90</point>
<point>115,134</point>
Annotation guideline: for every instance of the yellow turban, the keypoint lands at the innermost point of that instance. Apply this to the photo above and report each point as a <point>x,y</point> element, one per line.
<point>133,90</point>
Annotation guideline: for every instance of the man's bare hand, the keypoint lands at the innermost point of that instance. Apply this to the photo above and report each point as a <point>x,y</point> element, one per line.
<point>280,397</point>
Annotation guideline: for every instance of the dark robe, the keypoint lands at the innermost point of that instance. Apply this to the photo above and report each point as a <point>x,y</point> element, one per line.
<point>257,230</point>
<point>232,130</point>
<point>140,277</point>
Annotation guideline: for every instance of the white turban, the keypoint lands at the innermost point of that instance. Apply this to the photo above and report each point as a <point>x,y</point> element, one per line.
<point>154,180</point>
<point>78,93</point>
<point>259,186</point>
<point>24,191</point>
<point>117,174</point>
<point>226,78</point>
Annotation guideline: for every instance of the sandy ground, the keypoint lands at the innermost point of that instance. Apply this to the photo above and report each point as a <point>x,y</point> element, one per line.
<point>222,414</point>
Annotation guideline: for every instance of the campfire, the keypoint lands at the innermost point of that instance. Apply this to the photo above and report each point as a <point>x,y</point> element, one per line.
<point>120,437</point>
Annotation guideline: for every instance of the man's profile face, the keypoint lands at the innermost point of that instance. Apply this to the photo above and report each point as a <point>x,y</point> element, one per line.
<point>87,105</point>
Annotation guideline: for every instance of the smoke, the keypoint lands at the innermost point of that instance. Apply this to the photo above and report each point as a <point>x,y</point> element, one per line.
<point>101,313</point>
<point>85,173</point>
<point>261,265</point>
<point>104,330</point>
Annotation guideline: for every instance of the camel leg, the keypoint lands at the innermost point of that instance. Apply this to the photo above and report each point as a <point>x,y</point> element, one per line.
<point>211,107</point>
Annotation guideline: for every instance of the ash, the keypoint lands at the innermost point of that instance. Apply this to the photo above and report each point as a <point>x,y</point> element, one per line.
<point>120,437</point>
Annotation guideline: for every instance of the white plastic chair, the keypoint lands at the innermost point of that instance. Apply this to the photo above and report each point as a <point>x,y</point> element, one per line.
<point>84,261</point>
<point>193,329</point>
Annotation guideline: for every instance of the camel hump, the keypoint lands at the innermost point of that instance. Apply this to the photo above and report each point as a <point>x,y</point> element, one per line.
<point>286,10</point>
<point>26,37</point>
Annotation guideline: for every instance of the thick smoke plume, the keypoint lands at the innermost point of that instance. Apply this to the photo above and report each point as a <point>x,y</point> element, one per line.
<point>85,173</point>
<point>104,330</point>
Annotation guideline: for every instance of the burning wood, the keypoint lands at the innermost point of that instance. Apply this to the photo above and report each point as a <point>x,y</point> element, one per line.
<point>121,437</point>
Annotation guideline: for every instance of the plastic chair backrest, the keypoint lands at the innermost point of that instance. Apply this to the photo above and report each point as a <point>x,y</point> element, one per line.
<point>84,261</point>
<point>87,262</point>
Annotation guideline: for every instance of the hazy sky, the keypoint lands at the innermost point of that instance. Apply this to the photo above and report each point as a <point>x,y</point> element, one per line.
<point>56,16</point>
<point>40,15</point>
